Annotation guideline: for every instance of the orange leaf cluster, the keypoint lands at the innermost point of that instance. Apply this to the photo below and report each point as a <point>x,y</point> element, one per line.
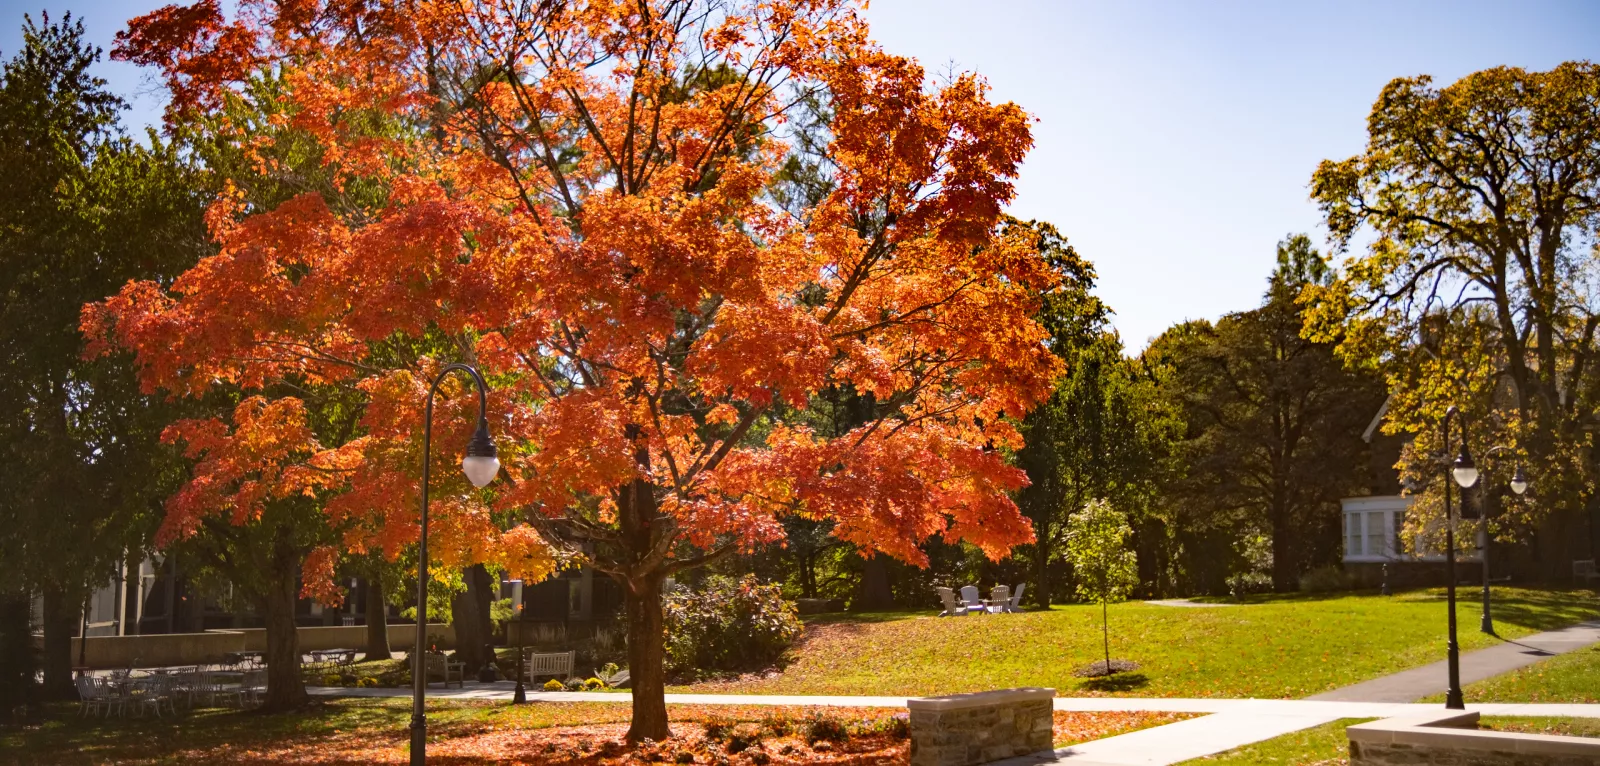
<point>582,204</point>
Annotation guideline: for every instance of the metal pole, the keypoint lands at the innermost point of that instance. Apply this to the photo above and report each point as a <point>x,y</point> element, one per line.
<point>521,696</point>
<point>1453,699</point>
<point>1487,623</point>
<point>419,667</point>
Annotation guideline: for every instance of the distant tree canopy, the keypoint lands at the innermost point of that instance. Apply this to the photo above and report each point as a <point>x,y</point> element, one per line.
<point>1479,286</point>
<point>1274,423</point>
<point>83,209</point>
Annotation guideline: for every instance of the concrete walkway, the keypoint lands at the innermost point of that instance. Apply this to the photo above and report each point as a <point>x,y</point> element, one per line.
<point>1416,683</point>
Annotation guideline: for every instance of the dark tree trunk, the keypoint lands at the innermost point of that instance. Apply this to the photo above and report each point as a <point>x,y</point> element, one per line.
<point>17,656</point>
<point>1040,587</point>
<point>875,592</point>
<point>469,612</point>
<point>647,659</point>
<point>62,618</point>
<point>286,690</point>
<point>1284,579</point>
<point>377,621</point>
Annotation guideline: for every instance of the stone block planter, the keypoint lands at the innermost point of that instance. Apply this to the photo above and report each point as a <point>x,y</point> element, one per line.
<point>970,729</point>
<point>1451,738</point>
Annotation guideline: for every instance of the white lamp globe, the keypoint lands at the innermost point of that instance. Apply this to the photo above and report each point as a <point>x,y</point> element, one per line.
<point>480,469</point>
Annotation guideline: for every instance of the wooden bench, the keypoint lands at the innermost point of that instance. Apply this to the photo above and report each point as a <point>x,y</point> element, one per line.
<point>444,668</point>
<point>555,664</point>
<point>1584,572</point>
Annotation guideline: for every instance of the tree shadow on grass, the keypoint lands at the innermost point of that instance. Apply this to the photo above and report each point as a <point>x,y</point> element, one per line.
<point>1119,682</point>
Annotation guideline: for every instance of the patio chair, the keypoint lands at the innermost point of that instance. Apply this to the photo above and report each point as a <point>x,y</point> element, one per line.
<point>445,669</point>
<point>1016,600</point>
<point>95,695</point>
<point>248,692</point>
<point>951,605</point>
<point>151,693</point>
<point>999,599</point>
<point>973,599</point>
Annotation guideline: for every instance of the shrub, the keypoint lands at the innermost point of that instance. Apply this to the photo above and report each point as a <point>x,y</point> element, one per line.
<point>718,727</point>
<point>822,727</point>
<point>367,683</point>
<point>332,679</point>
<point>728,625</point>
<point>1247,583</point>
<point>777,725</point>
<point>575,685</point>
<point>554,685</point>
<point>1326,579</point>
<point>743,737</point>
<point>594,684</point>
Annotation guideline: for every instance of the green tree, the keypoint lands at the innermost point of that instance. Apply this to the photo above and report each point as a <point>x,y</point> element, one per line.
<point>1482,203</point>
<point>1274,422</point>
<point>1105,568</point>
<point>83,210</point>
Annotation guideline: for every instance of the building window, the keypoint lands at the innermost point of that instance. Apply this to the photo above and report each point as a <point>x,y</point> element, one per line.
<point>1376,542</point>
<point>1352,534</point>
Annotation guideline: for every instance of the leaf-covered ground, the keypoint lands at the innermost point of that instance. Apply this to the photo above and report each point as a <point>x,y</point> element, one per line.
<point>373,731</point>
<point>1271,647</point>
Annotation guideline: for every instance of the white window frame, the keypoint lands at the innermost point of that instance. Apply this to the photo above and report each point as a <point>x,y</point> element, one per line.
<point>1358,512</point>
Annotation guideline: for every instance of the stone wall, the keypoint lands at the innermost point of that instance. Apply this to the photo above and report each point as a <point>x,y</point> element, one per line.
<point>970,729</point>
<point>159,649</point>
<point>1451,738</point>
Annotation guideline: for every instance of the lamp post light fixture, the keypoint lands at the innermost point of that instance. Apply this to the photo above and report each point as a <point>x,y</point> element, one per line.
<point>1519,484</point>
<point>1462,472</point>
<point>480,465</point>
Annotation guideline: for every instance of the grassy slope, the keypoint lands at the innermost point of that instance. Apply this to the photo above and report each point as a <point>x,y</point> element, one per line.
<point>1273,647</point>
<point>1571,677</point>
<point>1324,745</point>
<point>1564,727</point>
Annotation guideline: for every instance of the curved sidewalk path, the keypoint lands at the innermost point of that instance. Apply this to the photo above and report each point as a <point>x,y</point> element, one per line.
<point>1226,723</point>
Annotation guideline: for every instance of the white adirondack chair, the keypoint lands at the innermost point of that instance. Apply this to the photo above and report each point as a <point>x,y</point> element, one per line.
<point>999,599</point>
<point>1016,599</point>
<point>951,605</point>
<point>974,599</point>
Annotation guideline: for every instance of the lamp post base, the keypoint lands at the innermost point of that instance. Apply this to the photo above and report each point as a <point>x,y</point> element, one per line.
<point>419,740</point>
<point>521,695</point>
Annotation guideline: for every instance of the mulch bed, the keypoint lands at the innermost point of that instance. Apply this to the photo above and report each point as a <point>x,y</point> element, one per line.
<point>741,736</point>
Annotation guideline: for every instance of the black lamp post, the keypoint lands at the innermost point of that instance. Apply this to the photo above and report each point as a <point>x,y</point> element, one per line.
<point>480,465</point>
<point>1519,485</point>
<point>1464,473</point>
<point>521,695</point>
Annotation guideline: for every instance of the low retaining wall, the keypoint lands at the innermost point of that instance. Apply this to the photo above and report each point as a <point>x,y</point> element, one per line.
<point>1452,739</point>
<point>160,649</point>
<point>969,729</point>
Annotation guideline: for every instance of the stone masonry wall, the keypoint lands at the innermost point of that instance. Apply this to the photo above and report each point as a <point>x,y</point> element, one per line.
<point>982,732</point>
<point>1395,754</point>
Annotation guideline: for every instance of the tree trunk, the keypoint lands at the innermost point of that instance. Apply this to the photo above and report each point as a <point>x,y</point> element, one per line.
<point>1040,587</point>
<point>1105,632</point>
<point>62,617</point>
<point>1284,578</point>
<point>469,613</point>
<point>286,690</point>
<point>377,621</point>
<point>647,659</point>
<point>17,656</point>
<point>875,592</point>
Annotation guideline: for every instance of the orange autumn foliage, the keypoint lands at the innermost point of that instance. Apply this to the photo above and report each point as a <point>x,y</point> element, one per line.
<point>581,202</point>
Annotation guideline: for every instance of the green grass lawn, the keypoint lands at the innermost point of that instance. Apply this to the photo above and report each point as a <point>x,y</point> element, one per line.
<point>1324,745</point>
<point>1271,647</point>
<point>1571,677</point>
<point>1563,727</point>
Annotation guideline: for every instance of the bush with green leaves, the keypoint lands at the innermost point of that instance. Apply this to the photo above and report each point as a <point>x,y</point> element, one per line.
<point>1249,583</point>
<point>554,685</point>
<point>727,625</point>
<point>1326,579</point>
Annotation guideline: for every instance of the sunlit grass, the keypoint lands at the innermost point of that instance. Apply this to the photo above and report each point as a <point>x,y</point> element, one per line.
<point>1269,647</point>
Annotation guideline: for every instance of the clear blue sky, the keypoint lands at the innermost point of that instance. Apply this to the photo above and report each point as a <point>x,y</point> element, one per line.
<point>1175,139</point>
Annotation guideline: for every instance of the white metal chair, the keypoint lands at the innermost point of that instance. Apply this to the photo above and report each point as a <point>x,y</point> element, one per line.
<point>150,693</point>
<point>973,599</point>
<point>552,664</point>
<point>95,695</point>
<point>999,599</point>
<point>952,607</point>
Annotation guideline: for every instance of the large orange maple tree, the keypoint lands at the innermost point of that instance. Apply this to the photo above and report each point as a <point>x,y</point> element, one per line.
<point>583,201</point>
